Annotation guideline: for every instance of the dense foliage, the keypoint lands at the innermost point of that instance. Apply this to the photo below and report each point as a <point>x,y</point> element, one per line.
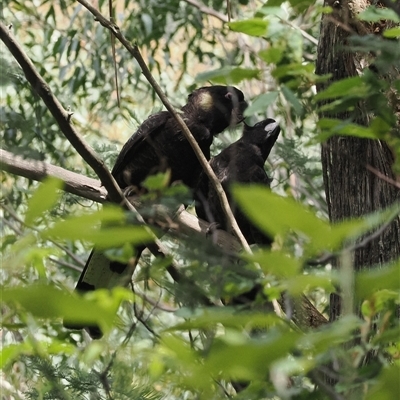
<point>163,340</point>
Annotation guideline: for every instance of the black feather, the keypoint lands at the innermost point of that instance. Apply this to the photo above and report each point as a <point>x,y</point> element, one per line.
<point>242,161</point>
<point>157,145</point>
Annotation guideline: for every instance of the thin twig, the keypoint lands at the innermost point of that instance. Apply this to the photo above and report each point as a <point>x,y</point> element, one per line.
<point>104,378</point>
<point>329,390</point>
<point>134,51</point>
<point>382,176</point>
<point>91,189</point>
<point>61,116</point>
<point>65,264</point>
<point>14,215</point>
<point>207,10</point>
<point>114,56</point>
<point>302,31</point>
<point>139,317</point>
<point>187,223</point>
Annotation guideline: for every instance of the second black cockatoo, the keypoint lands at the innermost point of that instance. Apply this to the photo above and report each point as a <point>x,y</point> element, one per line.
<point>243,161</point>
<point>158,145</point>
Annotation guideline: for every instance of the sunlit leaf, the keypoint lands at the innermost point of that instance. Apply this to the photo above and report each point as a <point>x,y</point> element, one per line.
<point>349,87</point>
<point>252,27</point>
<point>275,263</point>
<point>44,199</point>
<point>12,352</point>
<point>157,181</point>
<point>376,14</point>
<point>292,99</point>
<point>328,337</point>
<point>248,359</point>
<point>45,301</point>
<point>392,33</point>
<point>330,127</point>
<point>206,318</point>
<point>261,103</point>
<point>370,281</point>
<point>87,227</point>
<point>275,214</point>
<point>272,55</point>
<point>387,386</point>
<point>297,285</point>
<point>350,230</point>
<point>228,75</point>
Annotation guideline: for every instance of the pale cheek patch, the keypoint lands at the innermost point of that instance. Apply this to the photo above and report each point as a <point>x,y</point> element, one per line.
<point>206,101</point>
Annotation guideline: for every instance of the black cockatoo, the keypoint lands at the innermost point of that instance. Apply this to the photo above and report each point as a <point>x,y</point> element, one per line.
<point>243,161</point>
<point>158,145</point>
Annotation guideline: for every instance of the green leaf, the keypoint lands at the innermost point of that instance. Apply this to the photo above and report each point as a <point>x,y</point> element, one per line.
<point>272,55</point>
<point>157,181</point>
<point>274,214</point>
<point>44,301</point>
<point>352,229</point>
<point>87,228</point>
<point>370,281</point>
<point>275,262</point>
<point>387,386</point>
<point>349,87</point>
<point>207,318</point>
<point>261,103</point>
<point>228,75</point>
<point>330,127</point>
<point>253,27</point>
<point>391,33</point>
<point>330,336</point>
<point>12,352</point>
<point>293,100</point>
<point>44,198</point>
<point>375,14</point>
<point>121,254</point>
<point>248,359</point>
<point>298,284</point>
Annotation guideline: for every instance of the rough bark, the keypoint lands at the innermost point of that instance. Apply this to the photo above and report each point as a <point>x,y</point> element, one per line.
<point>352,190</point>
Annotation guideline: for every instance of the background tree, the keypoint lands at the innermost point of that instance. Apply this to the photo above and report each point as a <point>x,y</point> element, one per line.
<point>177,340</point>
<point>359,172</point>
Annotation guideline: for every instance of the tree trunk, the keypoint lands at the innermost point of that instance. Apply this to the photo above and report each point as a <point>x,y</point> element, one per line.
<point>352,190</point>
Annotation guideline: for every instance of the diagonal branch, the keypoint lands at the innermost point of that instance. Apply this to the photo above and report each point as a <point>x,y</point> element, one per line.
<point>305,313</point>
<point>62,117</point>
<point>74,183</point>
<point>91,189</point>
<point>207,10</point>
<point>134,51</point>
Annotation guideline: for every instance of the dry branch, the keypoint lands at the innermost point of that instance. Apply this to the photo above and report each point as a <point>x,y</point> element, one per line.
<point>304,313</point>
<point>80,185</point>
<point>62,117</point>
<point>91,189</point>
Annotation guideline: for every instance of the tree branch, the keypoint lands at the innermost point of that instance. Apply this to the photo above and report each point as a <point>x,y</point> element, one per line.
<point>134,51</point>
<point>77,184</point>
<point>14,215</point>
<point>207,10</point>
<point>183,222</point>
<point>90,189</point>
<point>62,117</point>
